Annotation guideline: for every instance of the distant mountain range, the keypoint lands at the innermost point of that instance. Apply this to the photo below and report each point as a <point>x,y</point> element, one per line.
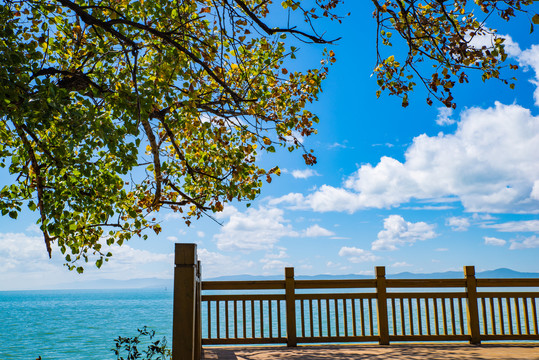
<point>498,273</point>
<point>156,283</point>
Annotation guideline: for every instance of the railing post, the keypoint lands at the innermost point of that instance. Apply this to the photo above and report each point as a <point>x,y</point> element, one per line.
<point>381,301</point>
<point>184,308</point>
<point>471,308</point>
<point>198,312</point>
<point>290,293</point>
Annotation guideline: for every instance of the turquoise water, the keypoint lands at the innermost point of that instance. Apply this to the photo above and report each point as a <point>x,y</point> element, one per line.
<point>82,324</point>
<point>78,324</point>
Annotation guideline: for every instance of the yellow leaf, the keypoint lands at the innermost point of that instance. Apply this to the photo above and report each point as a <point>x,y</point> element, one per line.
<point>218,206</point>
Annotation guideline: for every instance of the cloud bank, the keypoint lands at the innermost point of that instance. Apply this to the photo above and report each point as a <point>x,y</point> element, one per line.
<point>489,164</point>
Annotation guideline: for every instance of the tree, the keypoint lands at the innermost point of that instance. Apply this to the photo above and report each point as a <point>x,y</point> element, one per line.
<point>444,41</point>
<point>112,110</point>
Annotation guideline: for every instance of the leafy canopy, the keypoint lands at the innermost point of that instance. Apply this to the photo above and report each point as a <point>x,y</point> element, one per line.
<point>444,41</point>
<point>112,110</point>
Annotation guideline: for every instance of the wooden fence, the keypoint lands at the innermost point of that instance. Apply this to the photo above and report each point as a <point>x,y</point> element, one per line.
<point>377,310</point>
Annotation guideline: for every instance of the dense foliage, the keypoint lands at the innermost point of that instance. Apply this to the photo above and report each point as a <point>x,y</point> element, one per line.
<point>111,110</point>
<point>445,40</point>
<point>114,109</point>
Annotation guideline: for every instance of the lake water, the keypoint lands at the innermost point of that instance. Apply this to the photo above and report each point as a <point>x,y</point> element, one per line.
<point>82,324</point>
<point>78,324</point>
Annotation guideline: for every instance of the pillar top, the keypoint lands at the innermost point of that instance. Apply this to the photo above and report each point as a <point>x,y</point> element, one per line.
<point>469,270</point>
<point>289,272</point>
<point>185,254</point>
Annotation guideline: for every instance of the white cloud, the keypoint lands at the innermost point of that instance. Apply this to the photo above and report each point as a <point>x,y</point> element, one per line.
<point>126,256</point>
<point>295,200</point>
<point>458,223</point>
<point>489,164</point>
<point>338,145</point>
<point>398,232</point>
<point>389,145</point>
<point>200,234</point>
<point>486,41</point>
<point>271,264</point>
<point>21,252</point>
<point>535,190</point>
<point>316,231</point>
<point>24,264</point>
<point>528,243</point>
<point>172,238</point>
<point>280,255</point>
<point>514,226</point>
<point>494,241</point>
<point>429,207</point>
<point>355,255</point>
<point>401,264</point>
<point>33,229</point>
<point>530,58</point>
<point>444,116</point>
<point>255,229</point>
<point>228,211</point>
<point>217,264</point>
<point>172,216</point>
<point>304,174</point>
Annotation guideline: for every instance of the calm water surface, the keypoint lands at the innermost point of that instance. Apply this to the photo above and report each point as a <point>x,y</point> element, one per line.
<point>78,324</point>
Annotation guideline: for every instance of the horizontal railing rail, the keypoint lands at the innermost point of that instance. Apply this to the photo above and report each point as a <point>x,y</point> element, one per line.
<point>243,285</point>
<point>379,310</point>
<point>350,311</point>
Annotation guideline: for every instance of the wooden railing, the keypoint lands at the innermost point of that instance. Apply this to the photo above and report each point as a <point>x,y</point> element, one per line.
<point>295,311</point>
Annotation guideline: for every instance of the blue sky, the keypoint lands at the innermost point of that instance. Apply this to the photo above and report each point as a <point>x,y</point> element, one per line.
<point>420,189</point>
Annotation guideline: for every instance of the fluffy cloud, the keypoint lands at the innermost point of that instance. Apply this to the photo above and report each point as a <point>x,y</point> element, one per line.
<point>516,226</point>
<point>489,164</point>
<point>24,258</point>
<point>494,241</point>
<point>458,223</point>
<point>444,116</point>
<point>255,229</point>
<point>217,264</point>
<point>304,174</point>
<point>271,264</point>
<point>528,243</point>
<point>530,58</point>
<point>316,231</point>
<point>398,232</point>
<point>401,264</point>
<point>126,256</point>
<point>356,255</point>
<point>535,190</point>
<point>22,252</point>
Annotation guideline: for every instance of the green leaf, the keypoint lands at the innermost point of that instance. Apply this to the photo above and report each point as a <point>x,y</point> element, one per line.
<point>32,206</point>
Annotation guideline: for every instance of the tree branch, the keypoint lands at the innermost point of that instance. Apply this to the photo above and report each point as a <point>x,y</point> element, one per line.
<point>39,184</point>
<point>271,31</point>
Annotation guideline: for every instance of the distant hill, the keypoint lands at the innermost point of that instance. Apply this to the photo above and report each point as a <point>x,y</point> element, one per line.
<point>156,283</point>
<point>496,274</point>
<point>108,284</point>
